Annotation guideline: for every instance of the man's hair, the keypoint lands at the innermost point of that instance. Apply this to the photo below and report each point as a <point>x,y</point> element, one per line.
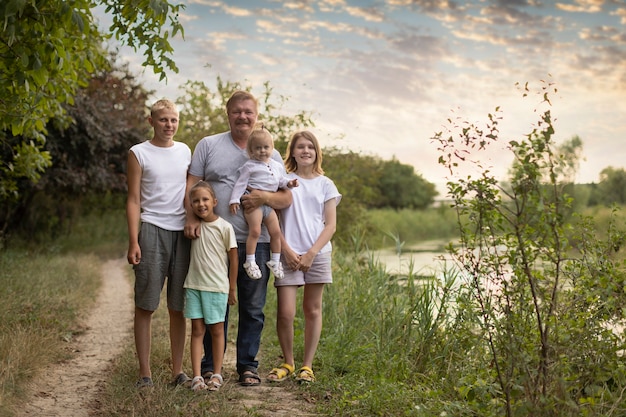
<point>238,96</point>
<point>161,105</point>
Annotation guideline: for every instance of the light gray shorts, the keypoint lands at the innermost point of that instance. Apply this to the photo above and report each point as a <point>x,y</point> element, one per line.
<point>164,254</point>
<point>319,273</point>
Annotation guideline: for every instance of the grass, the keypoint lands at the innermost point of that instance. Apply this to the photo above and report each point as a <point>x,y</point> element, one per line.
<point>44,298</point>
<point>120,398</point>
<point>45,291</point>
<point>386,349</point>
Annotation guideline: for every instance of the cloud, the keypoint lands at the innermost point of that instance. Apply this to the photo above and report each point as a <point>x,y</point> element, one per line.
<point>621,12</point>
<point>370,14</point>
<point>582,6</point>
<point>382,79</point>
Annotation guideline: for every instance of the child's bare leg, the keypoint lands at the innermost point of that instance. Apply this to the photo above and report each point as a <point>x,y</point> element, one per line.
<point>217,343</point>
<point>273,228</point>
<point>197,348</point>
<point>254,219</point>
<point>178,329</point>
<point>143,336</point>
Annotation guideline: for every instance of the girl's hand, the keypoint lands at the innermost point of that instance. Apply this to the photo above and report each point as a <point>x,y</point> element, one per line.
<point>292,259</point>
<point>232,297</point>
<point>234,207</point>
<point>306,261</point>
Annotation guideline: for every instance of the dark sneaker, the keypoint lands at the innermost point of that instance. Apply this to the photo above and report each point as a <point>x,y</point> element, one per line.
<point>145,382</point>
<point>182,379</point>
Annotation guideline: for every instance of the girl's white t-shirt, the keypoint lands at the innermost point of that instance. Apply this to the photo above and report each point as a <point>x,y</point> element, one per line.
<point>303,221</point>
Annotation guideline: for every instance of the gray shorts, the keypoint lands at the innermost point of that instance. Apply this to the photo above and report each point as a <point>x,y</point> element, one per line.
<point>265,209</point>
<point>164,254</point>
<point>319,273</point>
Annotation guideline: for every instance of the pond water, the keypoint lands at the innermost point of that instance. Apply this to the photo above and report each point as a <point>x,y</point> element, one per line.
<point>425,258</point>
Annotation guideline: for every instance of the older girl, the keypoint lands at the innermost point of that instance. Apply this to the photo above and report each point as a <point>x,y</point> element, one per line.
<point>307,227</point>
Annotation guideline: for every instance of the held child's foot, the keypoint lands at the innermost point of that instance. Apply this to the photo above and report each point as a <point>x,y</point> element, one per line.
<point>276,268</point>
<point>252,269</point>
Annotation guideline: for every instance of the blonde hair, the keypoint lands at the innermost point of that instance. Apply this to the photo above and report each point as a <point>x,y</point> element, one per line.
<point>290,162</point>
<point>202,184</point>
<point>162,105</point>
<point>259,132</point>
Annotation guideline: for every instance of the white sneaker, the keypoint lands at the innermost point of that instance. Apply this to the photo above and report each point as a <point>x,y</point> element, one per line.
<point>252,269</point>
<point>276,268</point>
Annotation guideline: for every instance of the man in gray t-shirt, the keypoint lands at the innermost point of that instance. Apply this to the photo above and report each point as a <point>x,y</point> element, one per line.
<point>217,159</point>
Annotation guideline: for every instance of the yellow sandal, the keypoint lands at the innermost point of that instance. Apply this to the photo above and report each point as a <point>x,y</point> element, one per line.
<point>281,373</point>
<point>305,374</point>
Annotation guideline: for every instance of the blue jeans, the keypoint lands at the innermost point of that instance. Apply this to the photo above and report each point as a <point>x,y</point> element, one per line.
<point>251,294</point>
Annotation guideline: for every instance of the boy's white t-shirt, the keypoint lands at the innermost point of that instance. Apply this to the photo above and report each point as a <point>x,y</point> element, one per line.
<point>163,183</point>
<point>303,221</point>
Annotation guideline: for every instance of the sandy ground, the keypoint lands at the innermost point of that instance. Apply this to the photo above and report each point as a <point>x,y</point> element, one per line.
<point>69,389</point>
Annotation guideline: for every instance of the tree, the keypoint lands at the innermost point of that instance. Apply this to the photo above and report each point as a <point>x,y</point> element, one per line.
<point>357,177</point>
<point>612,186</point>
<point>48,50</point>
<point>400,187</point>
<point>109,116</point>
<point>540,294</point>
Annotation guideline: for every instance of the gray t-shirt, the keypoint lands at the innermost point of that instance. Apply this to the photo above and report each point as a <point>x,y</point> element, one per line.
<point>217,160</point>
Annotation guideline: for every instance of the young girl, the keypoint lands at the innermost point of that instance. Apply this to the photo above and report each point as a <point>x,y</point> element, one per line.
<point>307,227</point>
<point>211,283</point>
<point>261,172</point>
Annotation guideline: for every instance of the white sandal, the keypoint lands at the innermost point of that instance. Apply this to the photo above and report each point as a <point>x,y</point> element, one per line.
<point>214,385</point>
<point>197,384</point>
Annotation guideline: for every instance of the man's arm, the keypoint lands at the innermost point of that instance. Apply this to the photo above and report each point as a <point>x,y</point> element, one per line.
<point>279,200</point>
<point>133,209</point>
<point>192,222</point>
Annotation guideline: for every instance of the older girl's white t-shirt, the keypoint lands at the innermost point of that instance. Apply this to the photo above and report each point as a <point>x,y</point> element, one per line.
<point>303,221</point>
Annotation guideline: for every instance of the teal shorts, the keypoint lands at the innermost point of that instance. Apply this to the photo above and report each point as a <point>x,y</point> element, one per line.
<point>207,305</point>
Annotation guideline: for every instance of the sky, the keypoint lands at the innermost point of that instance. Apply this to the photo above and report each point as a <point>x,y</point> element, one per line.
<point>382,77</point>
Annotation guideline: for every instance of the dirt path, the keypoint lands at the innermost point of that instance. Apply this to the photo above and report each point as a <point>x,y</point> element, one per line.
<point>69,389</point>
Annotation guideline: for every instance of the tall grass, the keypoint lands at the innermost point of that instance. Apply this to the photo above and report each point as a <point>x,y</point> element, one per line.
<point>382,343</point>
